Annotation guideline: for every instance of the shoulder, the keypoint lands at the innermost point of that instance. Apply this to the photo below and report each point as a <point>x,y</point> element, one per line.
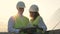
<point>25,17</point>
<point>40,17</point>
<point>12,18</point>
<point>41,20</point>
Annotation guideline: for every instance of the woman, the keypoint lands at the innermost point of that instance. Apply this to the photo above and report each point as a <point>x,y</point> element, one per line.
<point>36,20</point>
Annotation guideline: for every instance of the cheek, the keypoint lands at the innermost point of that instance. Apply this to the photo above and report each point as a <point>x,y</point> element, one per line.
<point>31,15</point>
<point>21,10</point>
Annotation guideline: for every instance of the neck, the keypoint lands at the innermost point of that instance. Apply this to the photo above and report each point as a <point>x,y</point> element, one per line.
<point>20,14</point>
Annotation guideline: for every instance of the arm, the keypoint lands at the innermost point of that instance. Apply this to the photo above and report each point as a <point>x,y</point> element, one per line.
<point>11,24</point>
<point>42,24</point>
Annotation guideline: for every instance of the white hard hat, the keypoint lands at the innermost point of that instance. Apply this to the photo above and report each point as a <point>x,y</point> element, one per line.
<point>34,8</point>
<point>20,5</point>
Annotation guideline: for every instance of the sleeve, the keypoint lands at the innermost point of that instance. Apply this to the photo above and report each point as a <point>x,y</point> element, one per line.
<point>10,26</point>
<point>42,25</point>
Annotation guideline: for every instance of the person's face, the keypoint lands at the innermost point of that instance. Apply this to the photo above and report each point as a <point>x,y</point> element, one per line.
<point>32,14</point>
<point>20,10</point>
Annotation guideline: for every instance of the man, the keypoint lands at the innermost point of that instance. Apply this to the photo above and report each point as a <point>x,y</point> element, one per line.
<point>18,22</point>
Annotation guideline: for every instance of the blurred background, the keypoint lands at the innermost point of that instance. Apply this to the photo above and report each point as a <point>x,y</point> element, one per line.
<point>48,9</point>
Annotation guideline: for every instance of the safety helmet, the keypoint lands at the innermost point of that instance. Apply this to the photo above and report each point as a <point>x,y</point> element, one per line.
<point>20,4</point>
<point>34,8</point>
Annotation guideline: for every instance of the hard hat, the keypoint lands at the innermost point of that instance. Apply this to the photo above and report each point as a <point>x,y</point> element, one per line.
<point>20,5</point>
<point>34,8</point>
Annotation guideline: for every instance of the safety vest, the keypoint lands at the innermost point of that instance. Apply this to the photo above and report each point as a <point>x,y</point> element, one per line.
<point>20,23</point>
<point>36,22</point>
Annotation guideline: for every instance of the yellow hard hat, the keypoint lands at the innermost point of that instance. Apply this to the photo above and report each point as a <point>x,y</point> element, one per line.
<point>34,8</point>
<point>20,4</point>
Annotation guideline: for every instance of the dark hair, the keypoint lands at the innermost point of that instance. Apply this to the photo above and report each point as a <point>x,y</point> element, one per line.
<point>36,15</point>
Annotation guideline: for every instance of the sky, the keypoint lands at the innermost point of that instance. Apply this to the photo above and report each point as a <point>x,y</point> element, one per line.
<point>48,9</point>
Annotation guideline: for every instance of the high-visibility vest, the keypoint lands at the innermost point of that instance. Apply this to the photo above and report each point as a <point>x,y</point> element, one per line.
<point>20,23</point>
<point>36,22</point>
